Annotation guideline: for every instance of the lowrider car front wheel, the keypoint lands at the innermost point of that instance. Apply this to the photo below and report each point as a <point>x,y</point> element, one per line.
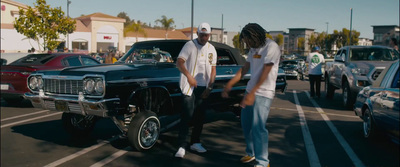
<point>76,124</point>
<point>369,128</point>
<point>144,130</point>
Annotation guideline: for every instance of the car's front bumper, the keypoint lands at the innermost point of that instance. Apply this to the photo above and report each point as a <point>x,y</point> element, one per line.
<point>82,106</point>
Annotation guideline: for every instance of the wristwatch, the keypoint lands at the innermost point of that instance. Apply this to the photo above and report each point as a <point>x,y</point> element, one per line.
<point>210,88</point>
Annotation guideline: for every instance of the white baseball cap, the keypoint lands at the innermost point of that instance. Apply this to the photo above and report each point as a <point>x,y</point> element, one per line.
<point>204,28</point>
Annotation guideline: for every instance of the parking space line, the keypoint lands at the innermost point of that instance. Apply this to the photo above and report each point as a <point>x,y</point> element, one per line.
<point>111,158</point>
<point>311,152</point>
<point>308,111</point>
<point>27,120</point>
<point>19,116</point>
<point>79,153</point>
<point>356,161</point>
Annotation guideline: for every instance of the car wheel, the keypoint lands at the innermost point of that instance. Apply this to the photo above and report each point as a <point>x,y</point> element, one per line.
<point>346,95</point>
<point>144,130</point>
<point>78,125</point>
<point>369,127</point>
<point>329,90</point>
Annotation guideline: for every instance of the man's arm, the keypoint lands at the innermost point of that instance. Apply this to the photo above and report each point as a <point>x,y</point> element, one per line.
<point>239,75</point>
<point>181,67</point>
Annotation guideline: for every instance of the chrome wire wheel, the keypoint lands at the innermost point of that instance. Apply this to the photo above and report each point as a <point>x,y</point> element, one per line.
<point>149,132</point>
<point>367,123</point>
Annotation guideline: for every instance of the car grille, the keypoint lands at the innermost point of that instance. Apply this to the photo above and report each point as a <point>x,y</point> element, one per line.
<point>57,86</point>
<point>376,73</point>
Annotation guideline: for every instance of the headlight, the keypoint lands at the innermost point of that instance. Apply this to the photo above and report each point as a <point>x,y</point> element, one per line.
<point>89,86</point>
<point>359,71</point>
<point>99,87</point>
<point>93,86</point>
<point>35,82</point>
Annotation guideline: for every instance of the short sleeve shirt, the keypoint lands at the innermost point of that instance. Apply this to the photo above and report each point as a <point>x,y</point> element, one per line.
<point>198,61</point>
<point>315,61</point>
<point>258,57</point>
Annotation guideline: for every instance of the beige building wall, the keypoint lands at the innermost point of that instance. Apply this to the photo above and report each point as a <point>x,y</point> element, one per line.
<point>9,9</point>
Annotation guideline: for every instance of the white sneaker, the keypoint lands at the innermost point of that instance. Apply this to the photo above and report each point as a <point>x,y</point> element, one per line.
<point>180,153</point>
<point>197,147</point>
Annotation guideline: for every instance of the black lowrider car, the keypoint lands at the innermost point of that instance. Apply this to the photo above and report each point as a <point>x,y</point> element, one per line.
<point>141,96</point>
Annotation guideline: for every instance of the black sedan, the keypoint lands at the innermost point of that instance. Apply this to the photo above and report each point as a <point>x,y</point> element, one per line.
<point>378,105</point>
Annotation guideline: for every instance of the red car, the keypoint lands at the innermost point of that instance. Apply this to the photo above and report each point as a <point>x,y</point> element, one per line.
<point>14,76</point>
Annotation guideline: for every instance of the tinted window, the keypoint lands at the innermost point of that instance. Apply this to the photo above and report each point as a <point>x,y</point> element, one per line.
<point>373,54</point>
<point>74,61</point>
<point>170,50</point>
<point>88,61</point>
<point>224,57</point>
<point>34,59</point>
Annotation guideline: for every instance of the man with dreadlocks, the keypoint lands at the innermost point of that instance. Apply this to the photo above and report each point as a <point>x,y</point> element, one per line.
<point>262,61</point>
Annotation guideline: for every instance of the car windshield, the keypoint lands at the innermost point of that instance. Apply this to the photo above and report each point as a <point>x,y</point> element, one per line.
<point>151,53</point>
<point>373,54</point>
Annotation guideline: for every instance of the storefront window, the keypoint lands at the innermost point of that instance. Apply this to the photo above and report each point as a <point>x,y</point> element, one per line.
<point>80,45</point>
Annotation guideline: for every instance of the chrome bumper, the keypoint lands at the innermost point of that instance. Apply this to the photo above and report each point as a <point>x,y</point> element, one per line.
<point>101,108</point>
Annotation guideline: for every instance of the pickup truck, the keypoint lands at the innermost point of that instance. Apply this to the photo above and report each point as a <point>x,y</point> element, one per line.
<point>355,67</point>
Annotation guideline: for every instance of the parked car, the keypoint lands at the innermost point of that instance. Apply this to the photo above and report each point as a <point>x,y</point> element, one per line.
<point>292,67</point>
<point>14,76</point>
<point>281,83</point>
<point>378,105</point>
<point>355,67</point>
<point>142,98</point>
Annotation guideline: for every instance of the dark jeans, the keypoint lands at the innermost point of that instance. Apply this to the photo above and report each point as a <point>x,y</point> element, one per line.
<point>193,113</point>
<point>317,80</point>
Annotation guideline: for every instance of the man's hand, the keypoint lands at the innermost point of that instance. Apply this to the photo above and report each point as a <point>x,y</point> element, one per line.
<point>192,82</point>
<point>206,93</point>
<point>248,100</point>
<point>225,92</point>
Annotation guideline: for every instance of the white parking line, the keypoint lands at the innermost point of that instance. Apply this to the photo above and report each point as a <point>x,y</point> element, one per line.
<point>308,111</point>
<point>19,116</point>
<point>311,152</point>
<point>356,161</point>
<point>111,158</point>
<point>79,153</point>
<point>27,120</point>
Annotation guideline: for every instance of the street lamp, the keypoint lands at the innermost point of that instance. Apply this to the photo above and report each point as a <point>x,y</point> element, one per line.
<point>351,21</point>
<point>68,2</point>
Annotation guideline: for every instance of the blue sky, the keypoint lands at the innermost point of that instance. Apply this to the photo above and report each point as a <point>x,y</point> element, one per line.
<point>273,15</point>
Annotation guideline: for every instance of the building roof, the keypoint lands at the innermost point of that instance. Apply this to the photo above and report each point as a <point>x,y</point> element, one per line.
<point>157,33</point>
<point>21,5</point>
<point>385,26</point>
<point>188,29</point>
<point>101,17</point>
<point>80,27</point>
<point>301,29</point>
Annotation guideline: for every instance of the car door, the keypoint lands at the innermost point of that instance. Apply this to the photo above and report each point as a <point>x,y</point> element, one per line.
<point>335,71</point>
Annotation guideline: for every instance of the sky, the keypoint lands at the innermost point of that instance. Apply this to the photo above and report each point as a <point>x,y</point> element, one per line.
<point>232,15</point>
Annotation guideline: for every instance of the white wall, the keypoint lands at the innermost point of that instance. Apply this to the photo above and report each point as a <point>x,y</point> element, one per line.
<point>14,42</point>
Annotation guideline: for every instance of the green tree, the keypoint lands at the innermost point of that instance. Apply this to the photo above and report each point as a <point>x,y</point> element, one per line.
<point>301,42</point>
<point>166,24</point>
<point>237,44</point>
<point>44,23</point>
<point>269,36</point>
<point>136,28</point>
<point>279,39</point>
<point>125,16</point>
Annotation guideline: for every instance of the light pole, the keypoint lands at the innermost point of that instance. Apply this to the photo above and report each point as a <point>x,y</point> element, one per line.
<point>191,34</point>
<point>351,21</point>
<point>68,2</point>
<point>326,38</point>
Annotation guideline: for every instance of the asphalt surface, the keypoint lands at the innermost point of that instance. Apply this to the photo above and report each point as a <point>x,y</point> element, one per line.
<point>302,132</point>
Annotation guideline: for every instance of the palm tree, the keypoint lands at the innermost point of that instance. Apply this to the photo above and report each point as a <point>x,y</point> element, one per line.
<point>166,24</point>
<point>136,28</point>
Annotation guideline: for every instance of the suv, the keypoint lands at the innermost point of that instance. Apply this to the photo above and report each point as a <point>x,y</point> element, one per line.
<point>355,67</point>
<point>142,97</point>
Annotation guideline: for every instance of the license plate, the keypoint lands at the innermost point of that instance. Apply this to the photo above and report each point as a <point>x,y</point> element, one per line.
<point>4,87</point>
<point>61,105</point>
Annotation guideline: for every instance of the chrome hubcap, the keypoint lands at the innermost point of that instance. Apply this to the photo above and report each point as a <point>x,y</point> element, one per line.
<point>149,133</point>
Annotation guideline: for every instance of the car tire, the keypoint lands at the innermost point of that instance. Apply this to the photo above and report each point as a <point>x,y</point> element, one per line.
<point>369,127</point>
<point>144,130</point>
<point>78,125</point>
<point>329,89</point>
<point>346,95</point>
<point>13,101</point>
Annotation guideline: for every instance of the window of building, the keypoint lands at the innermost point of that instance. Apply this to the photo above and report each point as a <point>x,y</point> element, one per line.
<point>378,37</point>
<point>80,45</point>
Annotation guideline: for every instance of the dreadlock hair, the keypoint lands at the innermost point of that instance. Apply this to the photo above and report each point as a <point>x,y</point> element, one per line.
<point>254,32</point>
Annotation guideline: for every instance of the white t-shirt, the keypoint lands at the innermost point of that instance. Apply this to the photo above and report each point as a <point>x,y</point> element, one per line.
<point>198,61</point>
<point>315,61</point>
<point>258,57</point>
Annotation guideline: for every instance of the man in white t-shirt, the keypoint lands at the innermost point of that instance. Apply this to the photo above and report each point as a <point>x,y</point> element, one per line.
<point>315,61</point>
<point>262,61</point>
<point>197,64</point>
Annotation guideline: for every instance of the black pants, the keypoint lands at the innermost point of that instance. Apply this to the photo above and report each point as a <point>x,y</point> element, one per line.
<point>193,113</point>
<point>317,80</point>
